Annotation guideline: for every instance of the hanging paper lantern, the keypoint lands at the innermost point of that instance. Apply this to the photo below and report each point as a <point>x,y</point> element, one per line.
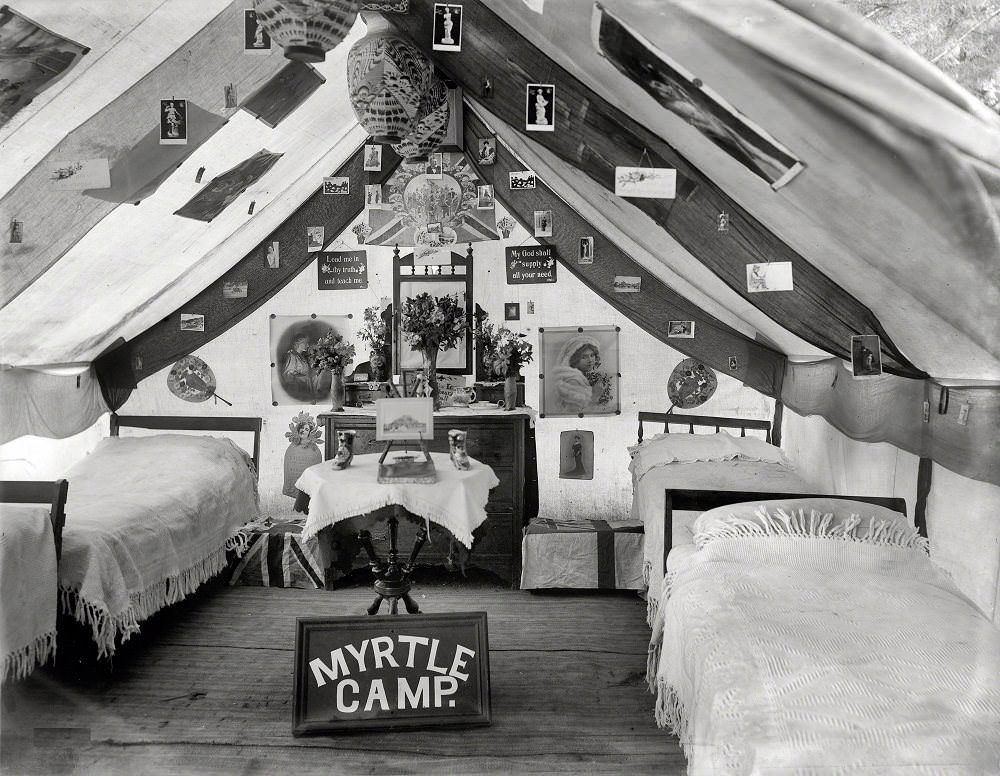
<point>430,127</point>
<point>388,79</point>
<point>307,29</point>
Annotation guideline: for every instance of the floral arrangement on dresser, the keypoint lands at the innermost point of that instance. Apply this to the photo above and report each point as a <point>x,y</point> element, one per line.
<point>503,351</point>
<point>432,322</point>
<point>375,334</point>
<point>331,352</point>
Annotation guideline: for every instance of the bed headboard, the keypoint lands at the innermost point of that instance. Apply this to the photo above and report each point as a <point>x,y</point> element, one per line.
<point>40,492</point>
<point>703,500</point>
<point>192,423</point>
<point>666,418</point>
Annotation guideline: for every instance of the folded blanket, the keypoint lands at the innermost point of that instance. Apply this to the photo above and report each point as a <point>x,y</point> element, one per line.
<point>27,590</point>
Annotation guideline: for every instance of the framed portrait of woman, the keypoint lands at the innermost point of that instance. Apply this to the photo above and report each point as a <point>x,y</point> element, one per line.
<point>580,372</point>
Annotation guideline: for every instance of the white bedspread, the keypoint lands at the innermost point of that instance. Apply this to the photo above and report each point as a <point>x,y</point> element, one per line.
<point>27,589</point>
<point>147,522</point>
<point>806,656</point>
<point>648,501</point>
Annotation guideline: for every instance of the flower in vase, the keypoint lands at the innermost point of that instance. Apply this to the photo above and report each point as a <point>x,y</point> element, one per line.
<point>331,352</point>
<point>361,231</point>
<point>432,323</point>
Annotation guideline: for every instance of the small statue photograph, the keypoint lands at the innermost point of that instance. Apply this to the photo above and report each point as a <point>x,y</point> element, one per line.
<point>173,122</point>
<point>447,27</point>
<point>540,101</point>
<point>255,38</point>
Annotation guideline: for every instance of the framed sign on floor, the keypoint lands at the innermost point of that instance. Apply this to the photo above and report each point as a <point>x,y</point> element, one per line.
<point>366,673</point>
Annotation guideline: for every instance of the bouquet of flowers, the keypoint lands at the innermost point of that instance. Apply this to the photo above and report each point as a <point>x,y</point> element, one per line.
<point>512,352</point>
<point>432,323</point>
<point>331,352</point>
<point>375,332</point>
<point>604,379</point>
<point>303,430</point>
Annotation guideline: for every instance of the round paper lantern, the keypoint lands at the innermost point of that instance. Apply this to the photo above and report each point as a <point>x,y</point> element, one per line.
<point>691,384</point>
<point>429,129</point>
<point>388,79</point>
<point>307,29</point>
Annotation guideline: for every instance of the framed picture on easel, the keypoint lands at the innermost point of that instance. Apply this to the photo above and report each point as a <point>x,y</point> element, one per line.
<point>404,419</point>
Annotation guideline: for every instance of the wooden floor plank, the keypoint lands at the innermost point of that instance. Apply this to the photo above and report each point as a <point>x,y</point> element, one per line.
<point>207,688</point>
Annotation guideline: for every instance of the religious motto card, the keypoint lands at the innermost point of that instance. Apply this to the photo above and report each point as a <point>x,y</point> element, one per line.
<point>255,38</point>
<point>447,27</point>
<point>173,122</point>
<point>539,109</point>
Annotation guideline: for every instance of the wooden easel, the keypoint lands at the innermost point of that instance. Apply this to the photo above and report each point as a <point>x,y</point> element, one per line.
<point>420,472</point>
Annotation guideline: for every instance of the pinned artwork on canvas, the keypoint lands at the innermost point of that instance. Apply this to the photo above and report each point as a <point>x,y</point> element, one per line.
<point>337,185</point>
<point>543,223</point>
<point>447,27</point>
<point>539,108</point>
<point>373,194</point>
<point>866,355</point>
<point>255,37</point>
<point>487,151</point>
<point>576,455</point>
<point>192,322</point>
<point>579,371</point>
<point>314,238</point>
<point>485,193</point>
<point>680,329</point>
<point>294,380</point>
<point>81,174</point>
<point>646,182</point>
<point>224,189</point>
<point>273,255</point>
<point>769,276</point>
<point>522,179</point>
<point>173,122</point>
<point>373,158</point>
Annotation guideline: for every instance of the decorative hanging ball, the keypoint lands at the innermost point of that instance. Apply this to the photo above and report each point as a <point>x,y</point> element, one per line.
<point>307,29</point>
<point>388,79</point>
<point>430,127</point>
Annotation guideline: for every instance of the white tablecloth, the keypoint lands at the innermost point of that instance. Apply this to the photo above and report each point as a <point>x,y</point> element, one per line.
<point>457,501</point>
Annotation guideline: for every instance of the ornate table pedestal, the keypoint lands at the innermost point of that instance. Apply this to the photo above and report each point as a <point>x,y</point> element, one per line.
<point>392,578</point>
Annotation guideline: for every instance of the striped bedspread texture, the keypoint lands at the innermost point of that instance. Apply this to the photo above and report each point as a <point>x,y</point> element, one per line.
<point>148,520</point>
<point>814,656</point>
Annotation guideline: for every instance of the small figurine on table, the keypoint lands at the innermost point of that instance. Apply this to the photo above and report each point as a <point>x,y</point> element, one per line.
<point>345,450</point>
<point>459,457</point>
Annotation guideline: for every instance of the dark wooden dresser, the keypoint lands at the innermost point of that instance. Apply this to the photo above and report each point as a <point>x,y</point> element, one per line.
<point>505,441</point>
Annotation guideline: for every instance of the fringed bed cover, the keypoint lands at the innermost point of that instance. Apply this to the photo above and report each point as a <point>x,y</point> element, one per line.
<point>777,650</point>
<point>27,590</point>
<point>149,519</point>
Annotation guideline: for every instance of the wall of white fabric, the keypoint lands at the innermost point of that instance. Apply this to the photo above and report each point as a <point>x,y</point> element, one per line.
<point>240,360</point>
<point>961,513</point>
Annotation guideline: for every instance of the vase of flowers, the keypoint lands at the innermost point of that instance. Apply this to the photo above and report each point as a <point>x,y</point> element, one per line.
<point>375,334</point>
<point>511,351</point>
<point>332,353</point>
<point>429,325</point>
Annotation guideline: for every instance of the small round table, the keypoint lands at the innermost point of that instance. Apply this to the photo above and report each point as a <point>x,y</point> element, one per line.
<point>457,501</point>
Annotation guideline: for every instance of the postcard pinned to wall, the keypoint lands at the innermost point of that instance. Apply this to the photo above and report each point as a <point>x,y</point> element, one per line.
<point>485,197</point>
<point>255,37</point>
<point>173,122</point>
<point>684,95</point>
<point>273,255</point>
<point>647,182</point>
<point>314,238</point>
<point>627,284</point>
<point>543,223</point>
<point>447,27</point>
<point>234,290</point>
<point>80,174</point>
<point>680,329</point>
<point>487,151</point>
<point>586,251</point>
<point>373,194</point>
<point>338,185</point>
<point>192,322</point>
<point>772,276</point>
<point>576,455</point>
<point>522,179</point>
<point>539,108</point>
<point>373,158</point>
<point>866,355</point>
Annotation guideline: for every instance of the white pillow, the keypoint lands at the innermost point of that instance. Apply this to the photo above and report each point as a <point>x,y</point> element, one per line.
<point>688,448</point>
<point>818,518</point>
